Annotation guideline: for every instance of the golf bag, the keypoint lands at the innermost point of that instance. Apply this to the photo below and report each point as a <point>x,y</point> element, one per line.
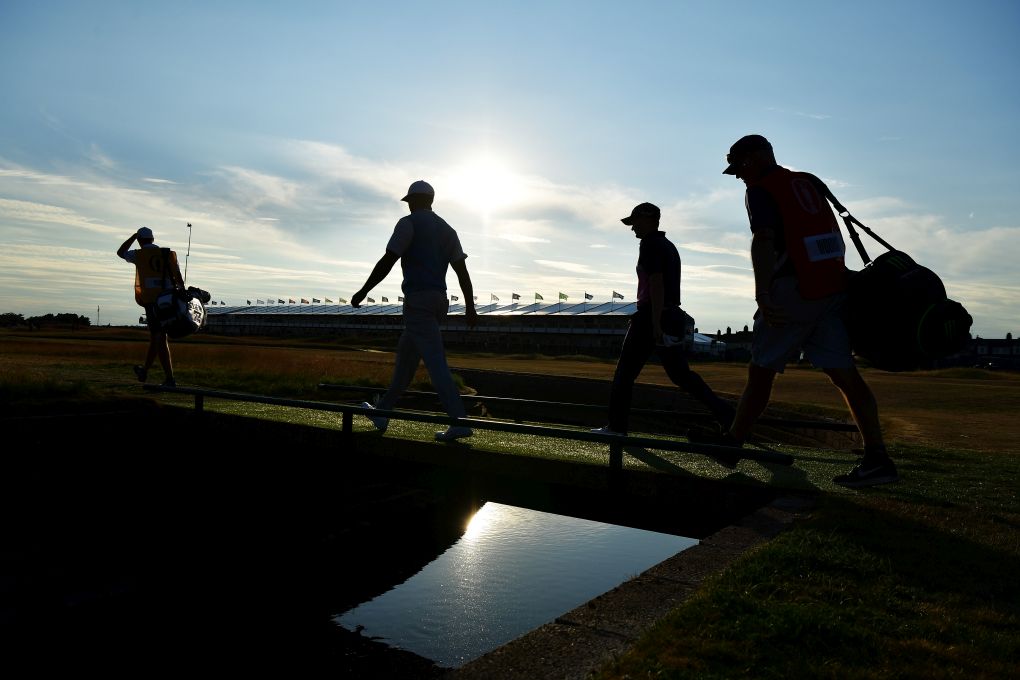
<point>898,315</point>
<point>180,312</point>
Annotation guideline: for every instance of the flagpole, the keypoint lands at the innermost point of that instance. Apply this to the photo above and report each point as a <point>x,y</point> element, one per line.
<point>187,255</point>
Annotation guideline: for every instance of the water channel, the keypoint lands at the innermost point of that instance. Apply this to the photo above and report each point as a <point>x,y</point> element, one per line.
<point>511,571</point>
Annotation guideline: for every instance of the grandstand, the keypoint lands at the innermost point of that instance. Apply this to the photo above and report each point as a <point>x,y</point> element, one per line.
<point>554,328</point>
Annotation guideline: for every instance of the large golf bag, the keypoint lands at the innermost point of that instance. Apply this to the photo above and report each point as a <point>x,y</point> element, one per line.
<point>181,312</point>
<point>898,315</point>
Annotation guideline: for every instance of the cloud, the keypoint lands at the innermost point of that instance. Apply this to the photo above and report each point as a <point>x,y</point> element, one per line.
<point>571,267</point>
<point>598,245</point>
<point>29,211</point>
<point>715,249</point>
<point>521,238</point>
<point>156,180</point>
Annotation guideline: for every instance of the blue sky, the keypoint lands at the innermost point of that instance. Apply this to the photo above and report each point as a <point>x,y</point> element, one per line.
<point>287,132</point>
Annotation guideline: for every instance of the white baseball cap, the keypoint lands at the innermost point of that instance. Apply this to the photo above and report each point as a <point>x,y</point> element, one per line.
<point>419,187</point>
<point>144,232</point>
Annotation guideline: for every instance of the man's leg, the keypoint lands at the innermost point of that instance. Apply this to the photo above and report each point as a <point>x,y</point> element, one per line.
<point>861,402</point>
<point>637,347</point>
<point>404,368</point>
<point>423,327</point>
<point>753,401</point>
<point>674,360</point>
<point>163,349</point>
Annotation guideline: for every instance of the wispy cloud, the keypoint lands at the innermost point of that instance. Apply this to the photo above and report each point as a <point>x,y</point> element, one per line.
<point>156,180</point>
<point>572,267</point>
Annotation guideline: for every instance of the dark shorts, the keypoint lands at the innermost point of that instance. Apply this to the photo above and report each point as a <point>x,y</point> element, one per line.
<point>150,318</point>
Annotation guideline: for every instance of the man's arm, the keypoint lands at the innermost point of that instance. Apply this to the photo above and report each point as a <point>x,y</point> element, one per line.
<point>763,259</point>
<point>658,297</point>
<point>460,267</point>
<point>382,268</point>
<point>127,244</point>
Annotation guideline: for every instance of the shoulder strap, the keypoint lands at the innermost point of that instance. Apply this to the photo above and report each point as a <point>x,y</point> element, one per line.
<point>849,220</point>
<point>165,254</point>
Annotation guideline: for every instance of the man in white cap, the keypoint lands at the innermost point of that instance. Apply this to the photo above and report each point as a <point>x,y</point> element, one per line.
<point>426,246</point>
<point>156,270</point>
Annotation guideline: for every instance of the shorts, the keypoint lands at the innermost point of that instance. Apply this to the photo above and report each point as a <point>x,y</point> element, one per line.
<point>150,318</point>
<point>814,326</point>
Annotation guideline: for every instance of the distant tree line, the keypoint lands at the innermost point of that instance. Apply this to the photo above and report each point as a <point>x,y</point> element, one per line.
<point>11,320</point>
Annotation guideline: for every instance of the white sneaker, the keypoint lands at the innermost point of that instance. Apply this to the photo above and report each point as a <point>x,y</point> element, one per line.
<point>380,423</point>
<point>453,433</point>
<point>607,430</point>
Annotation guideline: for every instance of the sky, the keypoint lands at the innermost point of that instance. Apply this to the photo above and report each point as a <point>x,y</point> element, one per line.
<point>286,134</point>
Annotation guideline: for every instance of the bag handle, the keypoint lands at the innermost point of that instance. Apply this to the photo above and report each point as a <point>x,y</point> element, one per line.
<point>849,220</point>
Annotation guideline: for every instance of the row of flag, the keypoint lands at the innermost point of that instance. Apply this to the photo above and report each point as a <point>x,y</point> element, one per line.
<point>492,298</point>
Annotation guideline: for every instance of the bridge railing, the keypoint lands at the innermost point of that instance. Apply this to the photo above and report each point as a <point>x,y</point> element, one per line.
<point>616,443</point>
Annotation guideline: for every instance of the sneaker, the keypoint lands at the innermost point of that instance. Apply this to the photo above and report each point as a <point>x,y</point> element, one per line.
<point>453,433</point>
<point>141,373</point>
<point>169,382</point>
<point>607,430</point>
<point>869,473</point>
<point>380,423</point>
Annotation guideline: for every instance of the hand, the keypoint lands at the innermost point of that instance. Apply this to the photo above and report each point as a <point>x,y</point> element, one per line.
<point>774,315</point>
<point>471,316</point>
<point>357,298</point>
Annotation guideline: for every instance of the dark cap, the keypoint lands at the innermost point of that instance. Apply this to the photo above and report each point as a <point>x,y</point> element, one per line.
<point>642,210</point>
<point>741,148</point>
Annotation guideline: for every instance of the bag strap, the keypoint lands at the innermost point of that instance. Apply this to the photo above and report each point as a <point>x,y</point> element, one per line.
<point>849,220</point>
<point>165,253</point>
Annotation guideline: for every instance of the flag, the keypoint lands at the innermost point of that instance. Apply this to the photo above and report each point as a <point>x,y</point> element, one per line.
<point>493,298</point>
<point>213,302</point>
<point>617,295</point>
<point>588,296</point>
<point>563,296</point>
<point>371,300</point>
<point>259,302</point>
<point>515,296</point>
<point>290,301</point>
<point>476,298</point>
<point>316,300</point>
<point>249,302</point>
<point>454,298</point>
<point>400,298</point>
<point>304,301</point>
<point>281,301</point>
<point>385,299</point>
<point>538,297</point>
<point>329,301</point>
<point>342,301</point>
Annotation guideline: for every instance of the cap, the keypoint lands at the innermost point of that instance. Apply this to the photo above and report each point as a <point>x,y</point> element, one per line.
<point>642,210</point>
<point>419,187</point>
<point>144,232</point>
<point>742,147</point>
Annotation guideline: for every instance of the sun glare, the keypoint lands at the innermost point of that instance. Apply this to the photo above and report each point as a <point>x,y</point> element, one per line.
<point>485,185</point>
<point>480,521</point>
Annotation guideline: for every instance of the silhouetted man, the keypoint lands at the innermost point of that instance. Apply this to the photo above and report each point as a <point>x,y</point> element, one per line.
<point>426,246</point>
<point>657,321</point>
<point>800,283</point>
<point>156,270</point>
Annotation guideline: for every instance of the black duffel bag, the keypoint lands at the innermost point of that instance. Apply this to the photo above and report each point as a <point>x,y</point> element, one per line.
<point>898,315</point>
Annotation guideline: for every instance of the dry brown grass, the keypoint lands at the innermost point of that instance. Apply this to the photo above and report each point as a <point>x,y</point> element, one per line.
<point>963,408</point>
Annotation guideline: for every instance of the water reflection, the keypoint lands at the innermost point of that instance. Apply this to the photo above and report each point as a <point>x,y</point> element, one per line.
<point>512,570</point>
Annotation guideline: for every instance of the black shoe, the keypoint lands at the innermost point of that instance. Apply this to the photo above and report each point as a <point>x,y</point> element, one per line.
<point>869,473</point>
<point>141,373</point>
<point>169,382</point>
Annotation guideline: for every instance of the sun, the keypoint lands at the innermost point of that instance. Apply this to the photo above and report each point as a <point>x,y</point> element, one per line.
<point>486,184</point>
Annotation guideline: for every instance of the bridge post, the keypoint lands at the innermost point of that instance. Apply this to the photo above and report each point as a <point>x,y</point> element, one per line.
<point>348,426</point>
<point>615,456</point>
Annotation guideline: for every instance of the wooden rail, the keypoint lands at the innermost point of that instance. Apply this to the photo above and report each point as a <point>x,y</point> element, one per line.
<point>616,443</point>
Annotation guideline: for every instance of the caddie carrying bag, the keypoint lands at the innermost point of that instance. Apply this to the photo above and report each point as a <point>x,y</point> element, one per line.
<point>898,315</point>
<point>180,312</point>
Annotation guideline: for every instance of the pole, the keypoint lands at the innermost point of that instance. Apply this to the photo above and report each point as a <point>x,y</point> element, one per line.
<point>187,255</point>
<point>97,316</point>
